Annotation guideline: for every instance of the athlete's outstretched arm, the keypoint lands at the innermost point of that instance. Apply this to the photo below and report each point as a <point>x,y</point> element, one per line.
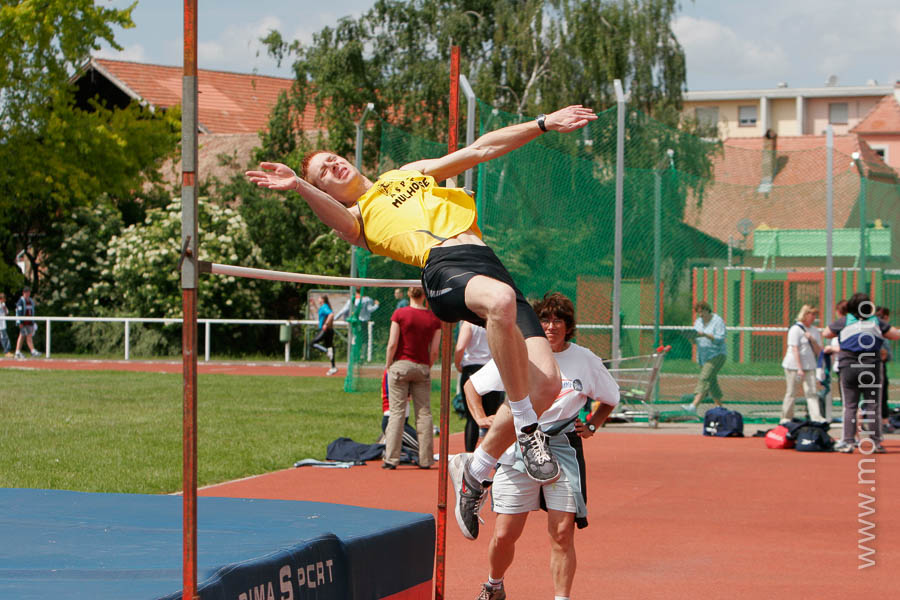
<point>277,176</point>
<point>502,141</point>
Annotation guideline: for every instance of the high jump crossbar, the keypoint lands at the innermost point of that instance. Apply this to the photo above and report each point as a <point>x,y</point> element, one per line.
<point>251,273</point>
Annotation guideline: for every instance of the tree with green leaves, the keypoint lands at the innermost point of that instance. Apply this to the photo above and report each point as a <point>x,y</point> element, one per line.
<point>55,157</point>
<point>523,57</point>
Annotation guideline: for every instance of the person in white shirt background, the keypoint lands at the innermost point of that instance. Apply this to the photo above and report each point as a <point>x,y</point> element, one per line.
<point>472,353</point>
<point>804,342</point>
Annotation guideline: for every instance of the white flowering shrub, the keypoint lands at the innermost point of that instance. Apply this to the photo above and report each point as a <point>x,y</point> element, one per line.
<point>71,267</point>
<point>140,267</point>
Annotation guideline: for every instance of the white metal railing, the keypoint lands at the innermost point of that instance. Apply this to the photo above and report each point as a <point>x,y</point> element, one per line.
<point>207,323</point>
<point>728,328</point>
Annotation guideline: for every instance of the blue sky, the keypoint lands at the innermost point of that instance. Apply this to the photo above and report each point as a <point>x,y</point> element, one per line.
<point>729,44</point>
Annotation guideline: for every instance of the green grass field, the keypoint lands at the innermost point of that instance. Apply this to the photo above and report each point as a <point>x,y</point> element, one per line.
<point>102,431</point>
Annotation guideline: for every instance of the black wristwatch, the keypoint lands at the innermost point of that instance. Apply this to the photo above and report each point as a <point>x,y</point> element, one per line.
<point>540,122</point>
<point>591,427</point>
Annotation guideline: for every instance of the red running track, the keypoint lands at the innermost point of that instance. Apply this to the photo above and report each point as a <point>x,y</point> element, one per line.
<point>671,516</point>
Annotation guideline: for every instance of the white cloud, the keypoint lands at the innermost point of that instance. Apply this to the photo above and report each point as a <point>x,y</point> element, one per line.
<point>237,47</point>
<point>713,50</point>
<point>134,53</point>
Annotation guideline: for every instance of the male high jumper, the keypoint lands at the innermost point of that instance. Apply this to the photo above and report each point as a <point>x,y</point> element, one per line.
<point>404,215</point>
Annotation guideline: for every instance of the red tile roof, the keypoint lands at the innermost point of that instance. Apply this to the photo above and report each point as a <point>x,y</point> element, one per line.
<point>796,199</point>
<point>884,118</point>
<point>228,102</point>
<point>212,151</point>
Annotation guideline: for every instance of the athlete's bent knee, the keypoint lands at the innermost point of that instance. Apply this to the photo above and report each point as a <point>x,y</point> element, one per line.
<point>501,304</point>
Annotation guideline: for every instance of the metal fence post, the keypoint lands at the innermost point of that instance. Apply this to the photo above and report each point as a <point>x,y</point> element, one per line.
<point>617,244</point>
<point>828,309</point>
<point>470,122</point>
<point>863,283</point>
<point>360,134</point>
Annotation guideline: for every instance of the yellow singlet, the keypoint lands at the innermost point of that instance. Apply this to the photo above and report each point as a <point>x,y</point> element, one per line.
<point>405,214</point>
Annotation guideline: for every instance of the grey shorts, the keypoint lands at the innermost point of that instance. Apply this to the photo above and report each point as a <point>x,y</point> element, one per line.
<point>514,492</point>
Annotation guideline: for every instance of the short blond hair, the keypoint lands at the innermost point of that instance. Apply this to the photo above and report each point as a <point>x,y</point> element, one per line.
<point>805,310</point>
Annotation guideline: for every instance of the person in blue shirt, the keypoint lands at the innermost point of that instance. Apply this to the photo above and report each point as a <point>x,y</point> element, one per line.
<point>27,327</point>
<point>861,335</point>
<point>709,331</point>
<point>324,340</point>
<point>401,298</point>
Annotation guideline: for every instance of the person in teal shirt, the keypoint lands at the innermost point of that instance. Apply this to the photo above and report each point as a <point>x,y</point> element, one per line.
<point>324,340</point>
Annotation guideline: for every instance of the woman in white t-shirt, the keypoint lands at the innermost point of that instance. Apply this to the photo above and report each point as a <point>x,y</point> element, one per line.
<point>804,342</point>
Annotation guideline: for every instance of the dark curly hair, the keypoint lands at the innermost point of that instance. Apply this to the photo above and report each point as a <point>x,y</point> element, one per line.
<point>860,306</point>
<point>556,305</point>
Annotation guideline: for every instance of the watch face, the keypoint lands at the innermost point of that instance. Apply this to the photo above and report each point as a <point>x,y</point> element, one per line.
<point>592,427</point>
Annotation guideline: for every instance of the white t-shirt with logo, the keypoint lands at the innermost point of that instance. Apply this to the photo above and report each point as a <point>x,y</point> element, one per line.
<point>583,377</point>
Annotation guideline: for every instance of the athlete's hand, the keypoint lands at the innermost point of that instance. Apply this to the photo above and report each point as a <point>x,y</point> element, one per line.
<point>582,430</point>
<point>485,422</point>
<point>569,118</point>
<point>275,176</point>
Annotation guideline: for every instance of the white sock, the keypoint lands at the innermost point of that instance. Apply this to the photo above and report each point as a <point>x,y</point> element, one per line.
<point>560,598</point>
<point>495,583</point>
<point>523,413</point>
<point>482,465</point>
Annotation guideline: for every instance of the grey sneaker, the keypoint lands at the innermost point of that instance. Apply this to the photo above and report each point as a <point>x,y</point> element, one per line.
<point>19,356</point>
<point>845,447</point>
<point>35,353</point>
<point>878,449</point>
<point>539,462</point>
<point>689,408</point>
<point>489,592</point>
<point>470,495</point>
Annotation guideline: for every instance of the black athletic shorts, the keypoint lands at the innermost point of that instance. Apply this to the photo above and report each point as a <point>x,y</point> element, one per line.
<point>448,270</point>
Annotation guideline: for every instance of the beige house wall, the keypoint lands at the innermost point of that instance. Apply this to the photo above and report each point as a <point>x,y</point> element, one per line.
<point>728,117</point>
<point>817,113</point>
<point>787,112</point>
<point>783,116</point>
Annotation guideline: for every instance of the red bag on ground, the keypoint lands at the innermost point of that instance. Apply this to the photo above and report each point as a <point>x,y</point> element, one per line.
<point>777,438</point>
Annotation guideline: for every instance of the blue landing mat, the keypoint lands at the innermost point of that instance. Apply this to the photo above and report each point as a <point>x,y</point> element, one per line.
<point>60,544</point>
